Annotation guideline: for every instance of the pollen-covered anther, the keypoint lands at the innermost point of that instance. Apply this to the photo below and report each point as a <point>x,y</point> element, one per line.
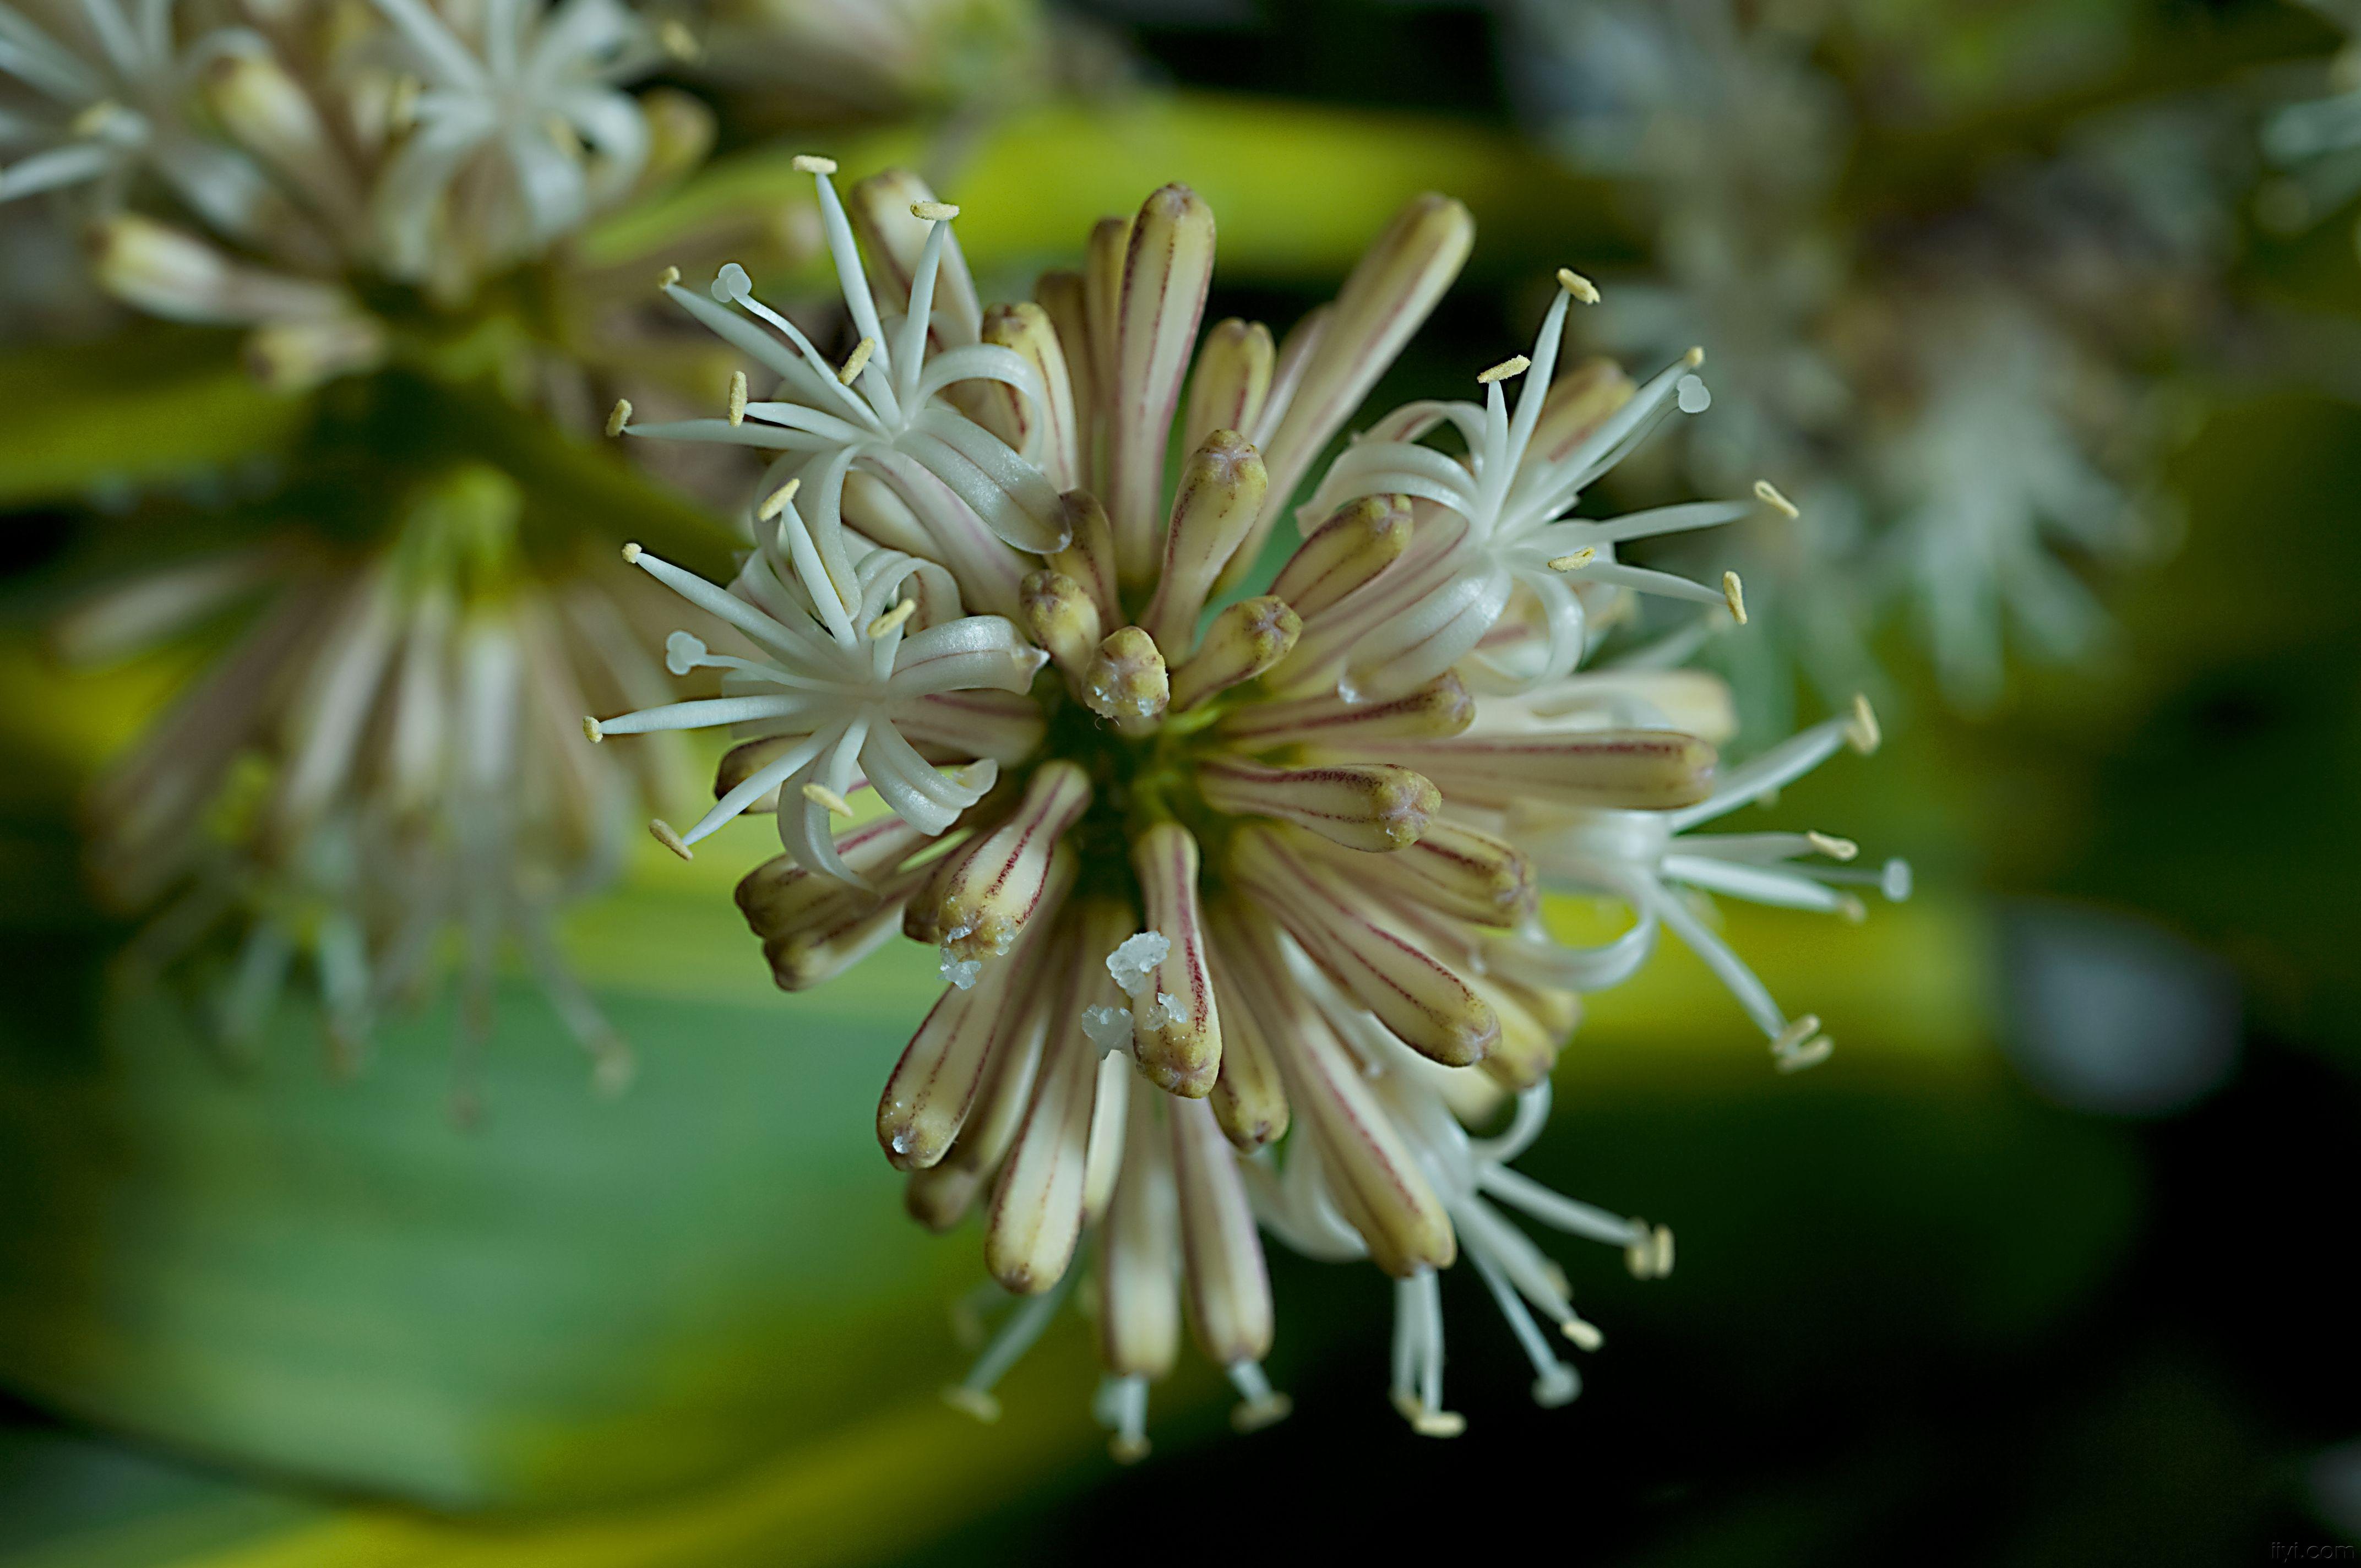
<point>857,361</point>
<point>663,833</point>
<point>590,730</point>
<point>1575,283</point>
<point>619,416</point>
<point>777,500</point>
<point>1575,561</point>
<point>736,398</point>
<point>1863,734</point>
<point>1371,807</point>
<point>933,212</point>
<point>1769,494</point>
<point>1694,358</point>
<point>811,163</point>
<point>1834,847</point>
<point>1243,642</point>
<point>1515,364</point>
<point>1733,594</point>
<point>893,619</point>
<point>1126,682</point>
<point>1582,1333</point>
<point>667,278</point>
<point>1649,1254</point>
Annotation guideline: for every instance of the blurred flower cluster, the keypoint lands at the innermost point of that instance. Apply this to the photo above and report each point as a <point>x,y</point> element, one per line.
<point>1956,349</point>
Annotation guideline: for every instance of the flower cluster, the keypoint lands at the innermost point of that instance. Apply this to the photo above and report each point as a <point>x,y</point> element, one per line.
<point>319,150</point>
<point>1234,892</point>
<point>388,756</point>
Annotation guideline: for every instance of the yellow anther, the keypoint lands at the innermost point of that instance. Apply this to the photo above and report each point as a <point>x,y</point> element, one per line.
<point>892,619</point>
<point>933,212</point>
<point>737,397</point>
<point>668,276</point>
<point>776,502</point>
<point>1733,594</point>
<point>1582,1335</point>
<point>93,120</point>
<point>1516,364</point>
<point>1693,358</point>
<point>827,800</point>
<point>811,163</point>
<point>1768,494</point>
<point>1575,561</point>
<point>1834,847</point>
<point>678,41</point>
<point>662,832</point>
<point>858,360</point>
<point>620,417</point>
<point>590,730</point>
<point>630,554</point>
<point>1863,734</point>
<point>1575,283</point>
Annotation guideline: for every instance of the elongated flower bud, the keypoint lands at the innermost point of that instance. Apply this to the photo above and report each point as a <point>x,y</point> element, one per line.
<point>940,1196</point>
<point>1037,1203</point>
<point>1249,1099</point>
<point>1454,869</point>
<point>1064,295</point>
<point>1176,1027</point>
<point>984,894</point>
<point>1228,1285</point>
<point>933,1086</point>
<point>1102,261</point>
<point>779,895</point>
<point>1396,282</point>
<point>267,113</point>
<point>1222,488</point>
<point>1061,618</point>
<point>1126,682</point>
<point>1231,379</point>
<point>1089,555</point>
<point>1251,636</point>
<point>170,273</point>
<point>1139,1256</point>
<point>1374,1177</point>
<point>1343,554</point>
<point>1168,266</point>
<point>1360,805</point>
<point>1642,770</point>
<point>1382,961</point>
<point>1329,726</point>
<point>1046,434</point>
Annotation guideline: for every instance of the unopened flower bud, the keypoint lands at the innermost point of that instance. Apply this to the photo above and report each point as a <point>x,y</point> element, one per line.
<point>1396,284</point>
<point>267,113</point>
<point>1176,1027</point>
<point>1229,1287</point>
<point>1328,725</point>
<point>1126,683</point>
<point>1642,770</point>
<point>1343,554</point>
<point>984,895</point>
<point>1061,616</point>
<point>893,237</point>
<point>1168,266</point>
<point>1045,431</point>
<point>1231,379</point>
<point>1089,555</point>
<point>170,273</point>
<point>1221,487</point>
<point>1244,641</point>
<point>1369,805</point>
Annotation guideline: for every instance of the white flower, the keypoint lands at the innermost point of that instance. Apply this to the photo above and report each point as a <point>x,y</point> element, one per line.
<point>1506,523</point>
<point>1471,1181</point>
<point>1646,858</point>
<point>884,410</point>
<point>1993,481</point>
<point>839,672</point>
<point>118,101</point>
<point>519,103</point>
